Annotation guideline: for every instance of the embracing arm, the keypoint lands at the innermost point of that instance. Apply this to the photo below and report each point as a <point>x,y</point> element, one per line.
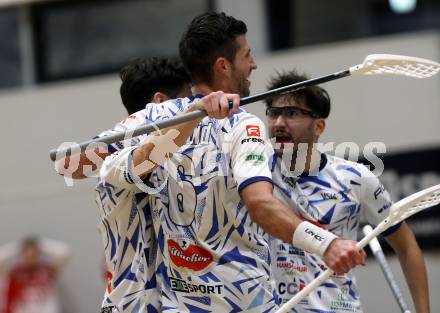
<point>281,222</point>
<point>80,166</point>
<point>158,146</point>
<point>411,260</point>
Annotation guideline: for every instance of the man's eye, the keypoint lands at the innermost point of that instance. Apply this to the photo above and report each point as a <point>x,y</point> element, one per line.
<point>291,113</point>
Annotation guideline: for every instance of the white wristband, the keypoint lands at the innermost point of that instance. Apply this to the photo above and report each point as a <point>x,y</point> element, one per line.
<point>312,238</point>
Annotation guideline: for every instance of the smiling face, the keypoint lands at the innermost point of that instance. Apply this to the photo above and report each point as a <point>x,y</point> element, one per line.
<point>293,126</point>
<point>242,68</point>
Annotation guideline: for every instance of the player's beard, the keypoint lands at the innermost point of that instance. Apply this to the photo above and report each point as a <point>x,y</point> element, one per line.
<point>241,83</point>
<point>243,88</point>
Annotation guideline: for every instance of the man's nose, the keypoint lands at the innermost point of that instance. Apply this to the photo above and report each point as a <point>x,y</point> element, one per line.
<point>280,121</point>
<point>253,64</point>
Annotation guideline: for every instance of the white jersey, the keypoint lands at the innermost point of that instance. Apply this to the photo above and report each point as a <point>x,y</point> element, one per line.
<point>128,237</point>
<point>334,198</point>
<point>214,257</point>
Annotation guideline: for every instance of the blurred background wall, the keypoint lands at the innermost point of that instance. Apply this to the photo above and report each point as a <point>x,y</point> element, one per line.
<point>59,62</point>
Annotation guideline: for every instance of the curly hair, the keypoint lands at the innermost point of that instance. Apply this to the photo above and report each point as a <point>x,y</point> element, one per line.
<point>143,77</point>
<point>314,97</point>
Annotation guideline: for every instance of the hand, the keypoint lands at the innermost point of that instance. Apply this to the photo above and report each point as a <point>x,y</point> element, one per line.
<point>342,255</point>
<point>216,104</point>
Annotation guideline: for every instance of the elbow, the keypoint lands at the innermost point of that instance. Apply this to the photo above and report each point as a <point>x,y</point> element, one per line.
<point>256,210</point>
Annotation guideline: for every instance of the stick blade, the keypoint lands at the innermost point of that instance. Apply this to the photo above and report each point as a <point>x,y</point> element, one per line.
<point>380,64</point>
<point>415,203</point>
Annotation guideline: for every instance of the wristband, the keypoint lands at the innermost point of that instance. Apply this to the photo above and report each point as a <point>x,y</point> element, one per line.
<point>312,238</point>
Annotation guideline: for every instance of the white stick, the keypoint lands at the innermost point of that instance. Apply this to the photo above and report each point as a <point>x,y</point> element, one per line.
<point>373,64</point>
<point>398,212</point>
<point>380,257</point>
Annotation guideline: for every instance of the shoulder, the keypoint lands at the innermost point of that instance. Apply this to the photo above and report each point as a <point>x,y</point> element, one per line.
<point>244,120</point>
<point>166,109</point>
<point>347,166</point>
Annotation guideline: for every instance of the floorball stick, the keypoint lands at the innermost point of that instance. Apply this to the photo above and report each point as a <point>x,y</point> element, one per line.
<point>374,64</point>
<point>381,259</point>
<point>399,211</point>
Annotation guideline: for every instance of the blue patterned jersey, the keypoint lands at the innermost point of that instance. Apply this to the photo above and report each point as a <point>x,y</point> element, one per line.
<point>212,258</point>
<point>127,233</point>
<point>334,198</point>
<point>130,245</point>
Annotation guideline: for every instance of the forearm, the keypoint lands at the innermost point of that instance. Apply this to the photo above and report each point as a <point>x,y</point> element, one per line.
<point>160,144</point>
<point>275,218</point>
<point>158,147</point>
<point>414,270</point>
<point>411,260</point>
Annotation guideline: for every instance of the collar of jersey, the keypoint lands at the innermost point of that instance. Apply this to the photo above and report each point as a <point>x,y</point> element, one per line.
<point>196,96</point>
<point>322,164</point>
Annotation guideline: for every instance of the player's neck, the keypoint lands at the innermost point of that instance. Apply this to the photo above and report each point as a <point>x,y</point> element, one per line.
<point>303,162</point>
<point>216,85</point>
<point>203,89</point>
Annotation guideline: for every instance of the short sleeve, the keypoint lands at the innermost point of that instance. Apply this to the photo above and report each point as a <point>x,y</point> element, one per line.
<point>250,151</point>
<point>375,200</point>
<point>131,122</point>
<point>117,170</point>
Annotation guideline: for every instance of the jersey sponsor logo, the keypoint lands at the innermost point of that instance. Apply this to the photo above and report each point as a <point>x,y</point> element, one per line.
<point>329,196</point>
<point>292,266</point>
<point>109,309</point>
<point>190,256</point>
<point>180,285</point>
<point>290,288</point>
<point>202,134</point>
<point>258,158</point>
<point>253,139</point>
<point>378,191</point>
<point>295,251</point>
<point>253,130</point>
<point>342,305</point>
<point>385,207</point>
<point>292,250</point>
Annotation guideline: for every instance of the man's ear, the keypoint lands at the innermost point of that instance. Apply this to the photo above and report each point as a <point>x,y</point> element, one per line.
<point>319,127</point>
<point>159,97</point>
<point>222,66</point>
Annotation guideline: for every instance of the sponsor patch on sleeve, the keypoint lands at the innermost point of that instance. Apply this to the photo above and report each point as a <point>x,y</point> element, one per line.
<point>253,130</point>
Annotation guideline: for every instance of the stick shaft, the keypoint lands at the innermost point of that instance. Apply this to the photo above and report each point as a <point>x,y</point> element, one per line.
<point>326,274</point>
<point>380,257</point>
<point>196,114</point>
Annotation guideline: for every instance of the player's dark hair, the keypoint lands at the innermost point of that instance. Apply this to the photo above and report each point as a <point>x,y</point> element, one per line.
<point>30,241</point>
<point>314,97</point>
<point>143,77</point>
<point>209,36</point>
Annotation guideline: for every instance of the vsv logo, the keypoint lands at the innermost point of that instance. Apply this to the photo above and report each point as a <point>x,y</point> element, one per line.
<point>193,257</point>
<point>328,196</point>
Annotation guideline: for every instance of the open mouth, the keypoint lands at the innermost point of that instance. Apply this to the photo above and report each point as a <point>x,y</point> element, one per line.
<point>282,139</point>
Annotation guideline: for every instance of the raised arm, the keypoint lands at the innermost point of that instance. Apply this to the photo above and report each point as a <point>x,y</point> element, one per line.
<point>159,144</point>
